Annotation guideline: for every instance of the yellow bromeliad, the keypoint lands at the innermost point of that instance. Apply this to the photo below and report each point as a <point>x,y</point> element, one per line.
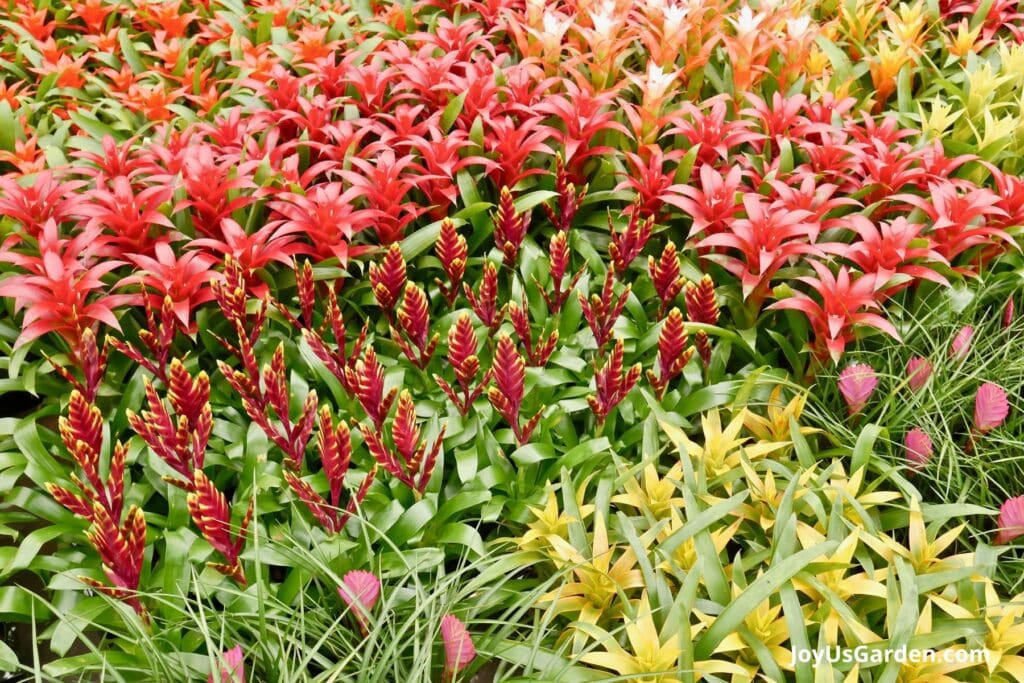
<point>684,556</point>
<point>658,495</point>
<point>652,657</point>
<point>924,555</point>
<point>720,452</point>
<point>776,425</point>
<point>551,523</point>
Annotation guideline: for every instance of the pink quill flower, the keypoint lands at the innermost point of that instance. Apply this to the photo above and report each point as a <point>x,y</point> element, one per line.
<point>918,447</point>
<point>961,345</point>
<point>856,384</point>
<point>918,371</point>
<point>1011,520</point>
<point>990,407</point>
<point>458,646</point>
<point>232,667</point>
<point>1008,311</point>
<point>360,590</point>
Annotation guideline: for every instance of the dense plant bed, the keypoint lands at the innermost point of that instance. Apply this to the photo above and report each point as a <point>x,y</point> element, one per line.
<point>510,341</point>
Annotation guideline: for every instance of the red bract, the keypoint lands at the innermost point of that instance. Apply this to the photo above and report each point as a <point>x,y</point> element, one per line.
<point>584,115</point>
<point>451,250</point>
<point>210,511</point>
<point>366,380</point>
<point>893,250</point>
<point>714,205</point>
<point>133,217</point>
<point>485,301</point>
<point>707,126</point>
<point>215,187</point>
<point>509,227</point>
<point>602,310</point>
<point>414,463</point>
<point>846,302</point>
<point>511,143</point>
<point>179,441</point>
<point>509,373</point>
<point>665,276</point>
<point>673,352</point>
<point>122,551</point>
<point>961,221</point>
<point>568,201</point>
<point>334,446</point>
<point>334,355</point>
<point>918,371</point>
<point>252,252</point>
<point>185,280</point>
<point>612,382</point>
<point>626,246</point>
<point>702,307</point>
<point>559,255</point>
<point>650,179</point>
<point>462,350</point>
<point>327,217</point>
<point>1011,520</point>
<point>414,320</point>
<point>388,278</point>
<point>766,239</point>
<point>384,184</point>
<point>59,293</point>
<point>536,352</point>
<point>990,407</point>
<point>45,199</point>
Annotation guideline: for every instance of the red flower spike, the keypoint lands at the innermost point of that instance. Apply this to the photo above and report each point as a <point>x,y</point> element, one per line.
<point>665,275</point>
<point>335,358</point>
<point>537,353</point>
<point>307,291</point>
<point>366,381</point>
<point>180,443</point>
<point>404,431</point>
<point>961,344</point>
<point>673,352</point>
<point>413,465</point>
<point>122,552</point>
<point>388,278</point>
<point>509,373</point>
<point>360,591</point>
<point>452,251</point>
<point>209,510</point>
<point>509,227</point>
<point>1008,312</point>
<point>318,507</point>
<point>612,383</point>
<point>856,384</point>
<point>627,245</point>
<point>232,667</point>
<point>334,445</point>
<point>558,253</point>
<point>462,350</point>
<point>603,310</point>
<point>702,307</point>
<point>485,301</point>
<point>413,317</point>
<point>569,199</point>
<point>458,646</point>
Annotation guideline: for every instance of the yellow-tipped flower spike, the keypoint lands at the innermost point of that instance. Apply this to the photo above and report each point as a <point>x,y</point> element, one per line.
<point>964,41</point>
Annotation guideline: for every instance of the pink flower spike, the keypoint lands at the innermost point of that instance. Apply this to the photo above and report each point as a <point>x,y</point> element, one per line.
<point>1011,520</point>
<point>990,407</point>
<point>918,447</point>
<point>961,345</point>
<point>1008,311</point>
<point>360,590</point>
<point>918,371</point>
<point>458,646</point>
<point>856,384</point>
<point>232,667</point>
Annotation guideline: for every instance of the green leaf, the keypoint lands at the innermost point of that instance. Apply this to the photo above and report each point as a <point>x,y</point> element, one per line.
<point>7,126</point>
<point>758,591</point>
<point>452,111</point>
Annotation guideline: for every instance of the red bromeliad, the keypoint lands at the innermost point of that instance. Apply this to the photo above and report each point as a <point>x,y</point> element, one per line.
<point>626,246</point>
<point>558,255</point>
<point>462,350</point>
<point>388,279</point>
<point>612,382</point>
<point>366,381</point>
<point>451,250</point>
<point>210,511</point>
<point>537,352</point>
<point>673,352</point>
<point>413,464</point>
<point>334,446</point>
<point>602,310</point>
<point>485,301</point>
<point>509,373</point>
<point>665,275</point>
<point>509,227</point>
<point>413,318</point>
<point>702,307</point>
